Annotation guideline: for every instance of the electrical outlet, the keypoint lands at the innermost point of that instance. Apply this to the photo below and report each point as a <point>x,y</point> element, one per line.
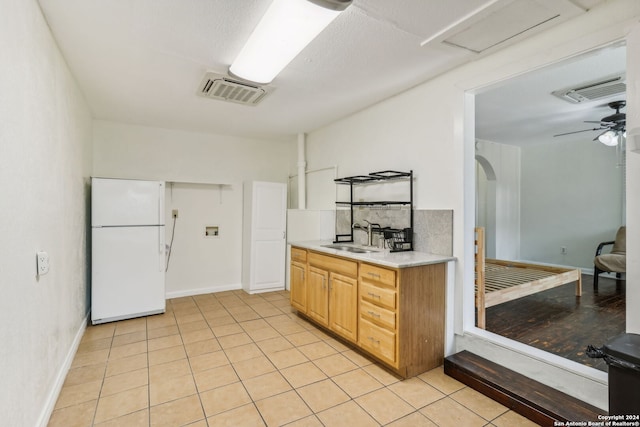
<point>174,213</point>
<point>563,250</point>
<point>42,262</point>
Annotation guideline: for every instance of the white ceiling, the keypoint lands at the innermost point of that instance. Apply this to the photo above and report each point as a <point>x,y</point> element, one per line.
<point>141,61</point>
<point>523,110</point>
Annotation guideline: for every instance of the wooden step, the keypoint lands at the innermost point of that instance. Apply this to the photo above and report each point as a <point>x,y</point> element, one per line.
<point>539,403</point>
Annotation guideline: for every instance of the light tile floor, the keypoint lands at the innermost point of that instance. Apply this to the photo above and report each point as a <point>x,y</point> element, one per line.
<point>234,359</point>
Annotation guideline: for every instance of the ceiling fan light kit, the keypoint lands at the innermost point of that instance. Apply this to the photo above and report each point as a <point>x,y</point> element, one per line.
<point>609,138</point>
<point>286,28</point>
<point>614,126</point>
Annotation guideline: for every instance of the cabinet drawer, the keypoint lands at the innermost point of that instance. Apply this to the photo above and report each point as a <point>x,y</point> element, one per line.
<point>298,254</point>
<point>377,314</point>
<point>337,265</point>
<point>379,341</point>
<point>380,275</point>
<point>380,296</point>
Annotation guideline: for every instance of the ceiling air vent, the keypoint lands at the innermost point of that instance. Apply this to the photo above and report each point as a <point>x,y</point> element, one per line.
<point>592,91</point>
<point>223,88</point>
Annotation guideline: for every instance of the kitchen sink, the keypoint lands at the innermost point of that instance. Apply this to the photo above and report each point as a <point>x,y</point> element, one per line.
<point>347,248</point>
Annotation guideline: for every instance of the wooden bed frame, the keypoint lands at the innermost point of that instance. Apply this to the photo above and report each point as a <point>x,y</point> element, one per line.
<point>500,281</point>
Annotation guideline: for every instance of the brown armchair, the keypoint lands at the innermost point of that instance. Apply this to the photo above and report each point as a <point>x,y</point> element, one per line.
<point>613,262</point>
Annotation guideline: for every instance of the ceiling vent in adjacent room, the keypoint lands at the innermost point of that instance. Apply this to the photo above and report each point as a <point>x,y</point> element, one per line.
<point>224,88</point>
<point>591,91</point>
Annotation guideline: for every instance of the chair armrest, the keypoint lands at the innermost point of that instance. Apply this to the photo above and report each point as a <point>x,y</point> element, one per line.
<point>602,245</point>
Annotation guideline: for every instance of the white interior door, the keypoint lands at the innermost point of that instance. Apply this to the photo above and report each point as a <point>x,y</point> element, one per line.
<point>268,246</point>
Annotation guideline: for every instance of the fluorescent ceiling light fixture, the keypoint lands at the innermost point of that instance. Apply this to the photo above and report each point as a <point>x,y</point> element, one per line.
<point>609,138</point>
<point>285,29</point>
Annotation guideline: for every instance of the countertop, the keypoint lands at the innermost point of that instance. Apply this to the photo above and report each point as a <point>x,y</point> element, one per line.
<point>380,257</point>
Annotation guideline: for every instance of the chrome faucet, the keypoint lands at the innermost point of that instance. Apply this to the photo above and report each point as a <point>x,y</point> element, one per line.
<point>370,231</point>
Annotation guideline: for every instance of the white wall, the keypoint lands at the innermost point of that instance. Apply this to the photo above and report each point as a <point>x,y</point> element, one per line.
<point>200,263</point>
<point>130,151</point>
<point>45,160</point>
<point>633,178</point>
<point>397,134</point>
<point>572,196</point>
<point>424,129</point>
<point>551,195</point>
<point>503,241</point>
<point>197,264</point>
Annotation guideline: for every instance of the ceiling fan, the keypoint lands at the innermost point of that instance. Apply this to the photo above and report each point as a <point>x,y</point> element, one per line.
<point>613,125</point>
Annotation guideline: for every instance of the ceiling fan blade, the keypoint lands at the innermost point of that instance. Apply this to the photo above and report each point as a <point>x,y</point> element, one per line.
<point>578,131</point>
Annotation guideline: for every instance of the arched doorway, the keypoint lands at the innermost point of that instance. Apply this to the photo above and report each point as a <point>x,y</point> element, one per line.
<point>486,202</point>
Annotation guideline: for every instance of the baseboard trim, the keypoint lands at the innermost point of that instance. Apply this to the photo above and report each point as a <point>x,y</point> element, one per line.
<point>200,291</point>
<point>54,393</point>
<point>262,291</point>
<point>610,275</point>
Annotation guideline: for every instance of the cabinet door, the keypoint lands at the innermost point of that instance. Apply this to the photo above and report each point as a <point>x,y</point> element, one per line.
<point>343,306</point>
<point>318,295</point>
<point>299,286</point>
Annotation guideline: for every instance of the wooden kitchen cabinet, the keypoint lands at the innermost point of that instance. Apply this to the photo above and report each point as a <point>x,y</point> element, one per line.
<point>333,294</point>
<point>378,313</point>
<point>395,315</point>
<point>298,282</point>
<point>401,320</point>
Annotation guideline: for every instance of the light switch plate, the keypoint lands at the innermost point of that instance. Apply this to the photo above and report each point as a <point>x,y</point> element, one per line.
<point>42,262</point>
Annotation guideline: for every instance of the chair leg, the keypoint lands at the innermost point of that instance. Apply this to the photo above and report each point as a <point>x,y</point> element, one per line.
<point>596,272</point>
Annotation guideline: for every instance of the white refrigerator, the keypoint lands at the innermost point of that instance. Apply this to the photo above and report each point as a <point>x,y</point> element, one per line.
<point>127,249</point>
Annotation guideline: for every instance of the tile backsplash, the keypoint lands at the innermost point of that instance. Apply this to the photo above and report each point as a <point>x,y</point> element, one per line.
<point>433,229</point>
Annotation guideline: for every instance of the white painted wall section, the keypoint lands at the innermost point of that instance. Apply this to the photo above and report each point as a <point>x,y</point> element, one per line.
<point>302,172</point>
<point>633,178</point>
<point>45,165</point>
<point>199,263</point>
<point>572,198</point>
<point>504,214</point>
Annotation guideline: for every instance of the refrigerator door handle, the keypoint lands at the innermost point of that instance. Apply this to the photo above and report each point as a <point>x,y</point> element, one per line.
<point>161,264</point>
<point>160,195</point>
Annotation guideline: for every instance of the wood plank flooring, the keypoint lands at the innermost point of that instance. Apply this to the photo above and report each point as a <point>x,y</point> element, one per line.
<point>561,323</point>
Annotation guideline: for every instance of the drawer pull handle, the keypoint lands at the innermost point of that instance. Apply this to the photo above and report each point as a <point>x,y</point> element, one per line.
<point>373,340</point>
<point>373,274</point>
<point>374,314</point>
<point>372,295</point>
